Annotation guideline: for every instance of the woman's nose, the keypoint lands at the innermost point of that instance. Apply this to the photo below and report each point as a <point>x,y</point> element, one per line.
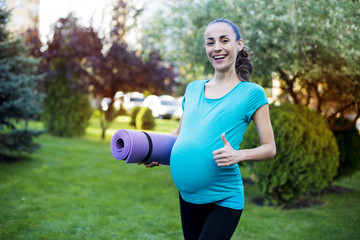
<point>217,47</point>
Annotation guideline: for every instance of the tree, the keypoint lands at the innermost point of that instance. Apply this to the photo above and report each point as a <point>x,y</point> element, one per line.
<point>312,51</point>
<point>33,42</point>
<point>68,63</point>
<point>310,46</point>
<point>122,69</point>
<point>19,100</point>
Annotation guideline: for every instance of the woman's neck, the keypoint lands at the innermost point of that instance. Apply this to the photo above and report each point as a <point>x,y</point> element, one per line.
<point>225,77</point>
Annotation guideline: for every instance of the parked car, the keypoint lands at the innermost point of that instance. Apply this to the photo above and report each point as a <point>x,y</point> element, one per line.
<point>169,104</point>
<point>178,112</point>
<point>133,99</point>
<point>105,103</point>
<point>162,107</point>
<point>118,99</point>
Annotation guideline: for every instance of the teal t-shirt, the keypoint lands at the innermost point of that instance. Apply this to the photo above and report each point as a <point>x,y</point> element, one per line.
<point>193,168</point>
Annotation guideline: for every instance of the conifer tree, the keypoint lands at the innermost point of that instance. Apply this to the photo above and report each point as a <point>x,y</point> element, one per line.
<point>19,99</point>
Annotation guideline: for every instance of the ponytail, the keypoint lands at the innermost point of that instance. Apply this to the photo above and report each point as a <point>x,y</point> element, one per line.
<point>243,65</point>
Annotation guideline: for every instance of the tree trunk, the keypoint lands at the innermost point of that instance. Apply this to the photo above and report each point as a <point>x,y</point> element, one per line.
<point>290,86</point>
<point>351,124</point>
<point>308,95</point>
<point>318,97</point>
<point>103,124</point>
<point>103,133</point>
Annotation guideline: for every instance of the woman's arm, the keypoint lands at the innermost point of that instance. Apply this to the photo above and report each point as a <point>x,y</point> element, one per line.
<point>177,130</point>
<point>174,133</point>
<point>227,156</point>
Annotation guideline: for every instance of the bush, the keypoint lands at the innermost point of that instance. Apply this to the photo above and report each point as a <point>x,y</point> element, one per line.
<point>133,113</point>
<point>66,113</point>
<point>145,119</point>
<point>307,154</point>
<point>349,145</point>
<point>122,111</point>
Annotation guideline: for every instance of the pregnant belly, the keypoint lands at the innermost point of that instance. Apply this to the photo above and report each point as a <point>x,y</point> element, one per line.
<point>192,168</point>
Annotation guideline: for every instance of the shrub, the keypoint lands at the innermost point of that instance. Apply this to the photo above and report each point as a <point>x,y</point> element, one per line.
<point>134,111</point>
<point>66,113</point>
<point>349,145</point>
<point>145,119</point>
<point>307,154</point>
<point>122,111</point>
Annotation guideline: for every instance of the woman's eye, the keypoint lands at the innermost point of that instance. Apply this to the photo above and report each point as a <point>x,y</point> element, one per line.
<point>225,41</point>
<point>209,43</point>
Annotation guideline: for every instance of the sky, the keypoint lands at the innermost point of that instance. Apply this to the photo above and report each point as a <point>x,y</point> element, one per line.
<point>51,10</point>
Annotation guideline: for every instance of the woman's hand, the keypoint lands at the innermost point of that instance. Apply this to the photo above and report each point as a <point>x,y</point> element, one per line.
<point>150,165</point>
<point>226,156</point>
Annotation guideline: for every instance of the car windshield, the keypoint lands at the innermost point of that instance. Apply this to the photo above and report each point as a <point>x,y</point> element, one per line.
<point>136,99</point>
<point>168,103</point>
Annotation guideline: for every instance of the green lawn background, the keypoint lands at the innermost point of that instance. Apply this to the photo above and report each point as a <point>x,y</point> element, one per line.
<point>74,189</point>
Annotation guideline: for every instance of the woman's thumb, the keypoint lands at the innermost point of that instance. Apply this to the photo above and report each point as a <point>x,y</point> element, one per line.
<point>226,143</point>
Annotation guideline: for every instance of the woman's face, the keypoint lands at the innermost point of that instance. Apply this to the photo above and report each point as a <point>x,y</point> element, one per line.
<point>222,46</point>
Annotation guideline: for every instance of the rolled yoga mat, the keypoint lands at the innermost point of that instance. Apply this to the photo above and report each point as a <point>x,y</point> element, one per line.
<point>136,146</point>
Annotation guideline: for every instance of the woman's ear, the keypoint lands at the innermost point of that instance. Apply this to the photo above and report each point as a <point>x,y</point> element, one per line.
<point>240,45</point>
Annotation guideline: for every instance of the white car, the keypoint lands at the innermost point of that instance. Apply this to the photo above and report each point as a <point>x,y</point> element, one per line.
<point>162,107</point>
<point>133,99</point>
<point>178,112</point>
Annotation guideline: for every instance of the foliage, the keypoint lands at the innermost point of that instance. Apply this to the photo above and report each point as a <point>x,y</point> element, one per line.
<point>349,144</point>
<point>307,155</point>
<point>72,51</point>
<point>122,110</point>
<point>19,99</point>
<point>310,46</point>
<point>144,119</point>
<point>33,42</point>
<point>122,69</point>
<point>66,111</point>
<point>133,113</point>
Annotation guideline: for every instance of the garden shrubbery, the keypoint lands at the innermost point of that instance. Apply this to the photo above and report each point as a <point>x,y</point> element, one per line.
<point>349,146</point>
<point>145,119</point>
<point>66,112</point>
<point>307,156</point>
<point>134,111</point>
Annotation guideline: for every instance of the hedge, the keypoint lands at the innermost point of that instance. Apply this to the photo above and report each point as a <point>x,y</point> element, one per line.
<point>145,119</point>
<point>307,155</point>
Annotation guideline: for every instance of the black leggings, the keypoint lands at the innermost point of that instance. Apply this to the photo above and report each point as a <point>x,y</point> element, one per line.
<point>208,221</point>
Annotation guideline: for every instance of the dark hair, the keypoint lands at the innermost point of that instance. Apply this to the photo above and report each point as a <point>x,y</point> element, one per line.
<point>243,65</point>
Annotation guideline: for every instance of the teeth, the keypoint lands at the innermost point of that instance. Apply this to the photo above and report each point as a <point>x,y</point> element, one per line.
<point>219,57</point>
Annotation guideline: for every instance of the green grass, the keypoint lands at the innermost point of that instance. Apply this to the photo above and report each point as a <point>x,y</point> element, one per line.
<point>74,189</point>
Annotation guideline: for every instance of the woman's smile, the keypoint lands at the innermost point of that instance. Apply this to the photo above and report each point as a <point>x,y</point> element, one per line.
<point>219,57</point>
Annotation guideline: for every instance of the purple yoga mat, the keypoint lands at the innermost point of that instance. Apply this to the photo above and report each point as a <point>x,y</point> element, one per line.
<point>136,146</point>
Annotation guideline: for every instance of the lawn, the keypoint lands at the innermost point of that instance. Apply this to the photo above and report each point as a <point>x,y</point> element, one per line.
<point>74,189</point>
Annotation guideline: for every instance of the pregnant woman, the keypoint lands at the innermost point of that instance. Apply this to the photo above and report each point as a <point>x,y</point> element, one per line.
<point>204,159</point>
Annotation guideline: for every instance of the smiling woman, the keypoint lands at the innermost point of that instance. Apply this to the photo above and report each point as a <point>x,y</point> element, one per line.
<point>204,163</point>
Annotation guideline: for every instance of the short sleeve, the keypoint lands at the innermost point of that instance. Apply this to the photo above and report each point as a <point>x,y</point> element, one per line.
<point>257,99</point>
<point>183,103</point>
<point>186,92</point>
